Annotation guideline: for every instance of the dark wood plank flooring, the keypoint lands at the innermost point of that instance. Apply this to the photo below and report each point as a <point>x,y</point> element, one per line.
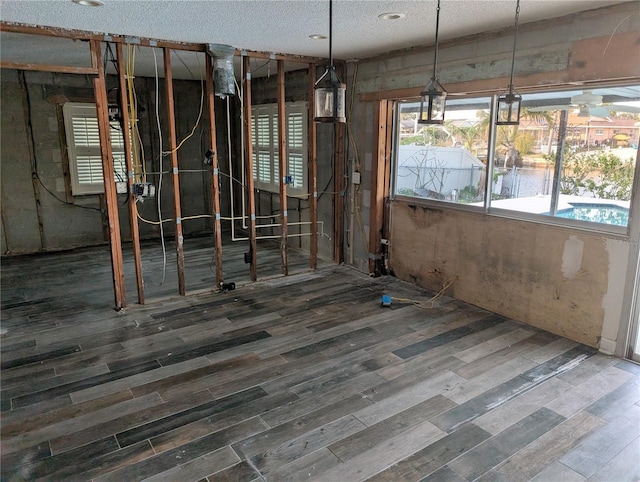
<point>296,378</point>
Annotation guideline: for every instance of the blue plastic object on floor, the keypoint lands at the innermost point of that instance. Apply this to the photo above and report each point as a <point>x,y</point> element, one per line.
<point>386,300</point>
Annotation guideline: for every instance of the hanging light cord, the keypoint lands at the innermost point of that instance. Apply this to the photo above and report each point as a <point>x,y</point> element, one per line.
<point>331,32</point>
<point>435,55</point>
<point>513,55</point>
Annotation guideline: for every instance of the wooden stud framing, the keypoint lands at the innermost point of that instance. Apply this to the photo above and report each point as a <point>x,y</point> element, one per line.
<point>312,165</point>
<point>140,41</point>
<point>215,178</point>
<point>128,155</point>
<point>249,167</point>
<point>282,154</point>
<point>63,69</point>
<point>102,107</point>
<point>378,184</point>
<point>338,205</point>
<point>168,77</point>
<point>387,173</point>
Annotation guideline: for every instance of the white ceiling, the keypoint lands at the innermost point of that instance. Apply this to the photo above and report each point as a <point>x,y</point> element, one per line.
<point>284,26</point>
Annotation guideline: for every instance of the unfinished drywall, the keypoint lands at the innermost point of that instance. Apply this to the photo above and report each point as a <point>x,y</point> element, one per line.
<point>554,278</point>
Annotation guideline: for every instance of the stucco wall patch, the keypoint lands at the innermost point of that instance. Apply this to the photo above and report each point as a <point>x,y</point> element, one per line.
<point>572,257</point>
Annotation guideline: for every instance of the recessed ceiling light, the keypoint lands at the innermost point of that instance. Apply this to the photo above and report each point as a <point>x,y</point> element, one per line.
<point>89,3</point>
<point>391,16</point>
<point>317,36</point>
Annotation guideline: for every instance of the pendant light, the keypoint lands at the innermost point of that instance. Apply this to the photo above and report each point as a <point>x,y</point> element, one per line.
<point>508,113</point>
<point>432,98</point>
<point>329,92</point>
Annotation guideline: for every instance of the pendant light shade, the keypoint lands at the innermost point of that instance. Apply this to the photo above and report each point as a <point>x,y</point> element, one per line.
<point>508,113</point>
<point>509,109</point>
<point>329,95</point>
<point>329,91</point>
<point>432,101</point>
<point>433,97</point>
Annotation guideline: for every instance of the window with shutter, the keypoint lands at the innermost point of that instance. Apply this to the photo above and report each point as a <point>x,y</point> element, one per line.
<point>264,136</point>
<point>83,149</point>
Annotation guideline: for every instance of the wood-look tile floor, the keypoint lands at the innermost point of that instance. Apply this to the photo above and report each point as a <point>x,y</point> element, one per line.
<point>297,378</point>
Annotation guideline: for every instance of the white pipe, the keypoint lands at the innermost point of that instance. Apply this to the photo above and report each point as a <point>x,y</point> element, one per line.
<point>321,223</point>
<point>278,236</point>
<point>230,168</point>
<point>275,225</point>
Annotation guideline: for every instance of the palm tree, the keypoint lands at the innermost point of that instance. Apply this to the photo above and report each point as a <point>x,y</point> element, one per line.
<point>547,117</point>
<point>468,135</point>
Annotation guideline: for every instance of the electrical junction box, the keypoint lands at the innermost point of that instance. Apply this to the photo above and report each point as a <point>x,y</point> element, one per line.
<point>144,189</point>
<point>114,113</point>
<point>356,177</point>
<point>121,187</point>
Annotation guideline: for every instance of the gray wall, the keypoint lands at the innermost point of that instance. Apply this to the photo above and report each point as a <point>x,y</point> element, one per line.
<point>36,100</point>
<point>432,244</point>
<point>264,91</point>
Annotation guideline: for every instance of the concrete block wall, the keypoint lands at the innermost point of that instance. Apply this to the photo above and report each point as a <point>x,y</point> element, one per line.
<point>35,99</point>
<point>511,266</point>
<point>296,89</point>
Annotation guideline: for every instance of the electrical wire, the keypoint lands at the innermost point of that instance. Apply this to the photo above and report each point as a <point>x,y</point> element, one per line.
<point>233,178</point>
<point>356,156</point>
<point>139,162</point>
<point>195,126</point>
<point>158,194</point>
<point>431,301</point>
<point>37,176</point>
<point>35,173</point>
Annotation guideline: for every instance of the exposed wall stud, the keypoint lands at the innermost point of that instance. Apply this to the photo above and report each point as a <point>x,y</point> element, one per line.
<point>168,78</point>
<point>282,154</point>
<point>339,183</point>
<point>215,178</point>
<point>312,167</point>
<point>249,168</point>
<point>99,86</point>
<point>378,169</point>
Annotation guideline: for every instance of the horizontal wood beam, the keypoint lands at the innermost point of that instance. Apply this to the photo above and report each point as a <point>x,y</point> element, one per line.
<point>287,57</point>
<point>103,37</point>
<point>495,86</point>
<point>586,67</point>
<point>142,41</point>
<point>63,69</point>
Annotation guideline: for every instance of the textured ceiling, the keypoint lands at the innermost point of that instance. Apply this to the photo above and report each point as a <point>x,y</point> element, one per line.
<point>284,26</point>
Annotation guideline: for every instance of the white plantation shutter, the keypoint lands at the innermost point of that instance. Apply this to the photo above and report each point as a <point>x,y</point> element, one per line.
<point>264,136</point>
<point>83,147</point>
<point>296,143</point>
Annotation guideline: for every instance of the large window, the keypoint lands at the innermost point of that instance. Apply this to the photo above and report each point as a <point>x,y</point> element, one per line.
<point>83,149</point>
<point>572,157</point>
<point>266,162</point>
<point>445,162</point>
<point>571,160</point>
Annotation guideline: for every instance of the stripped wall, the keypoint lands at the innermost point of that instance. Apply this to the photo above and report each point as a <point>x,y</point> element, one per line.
<point>35,104</point>
<point>570,282</point>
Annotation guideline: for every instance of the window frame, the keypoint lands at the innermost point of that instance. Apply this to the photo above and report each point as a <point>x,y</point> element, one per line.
<point>92,151</point>
<point>437,202</point>
<point>487,207</point>
<point>269,149</point>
